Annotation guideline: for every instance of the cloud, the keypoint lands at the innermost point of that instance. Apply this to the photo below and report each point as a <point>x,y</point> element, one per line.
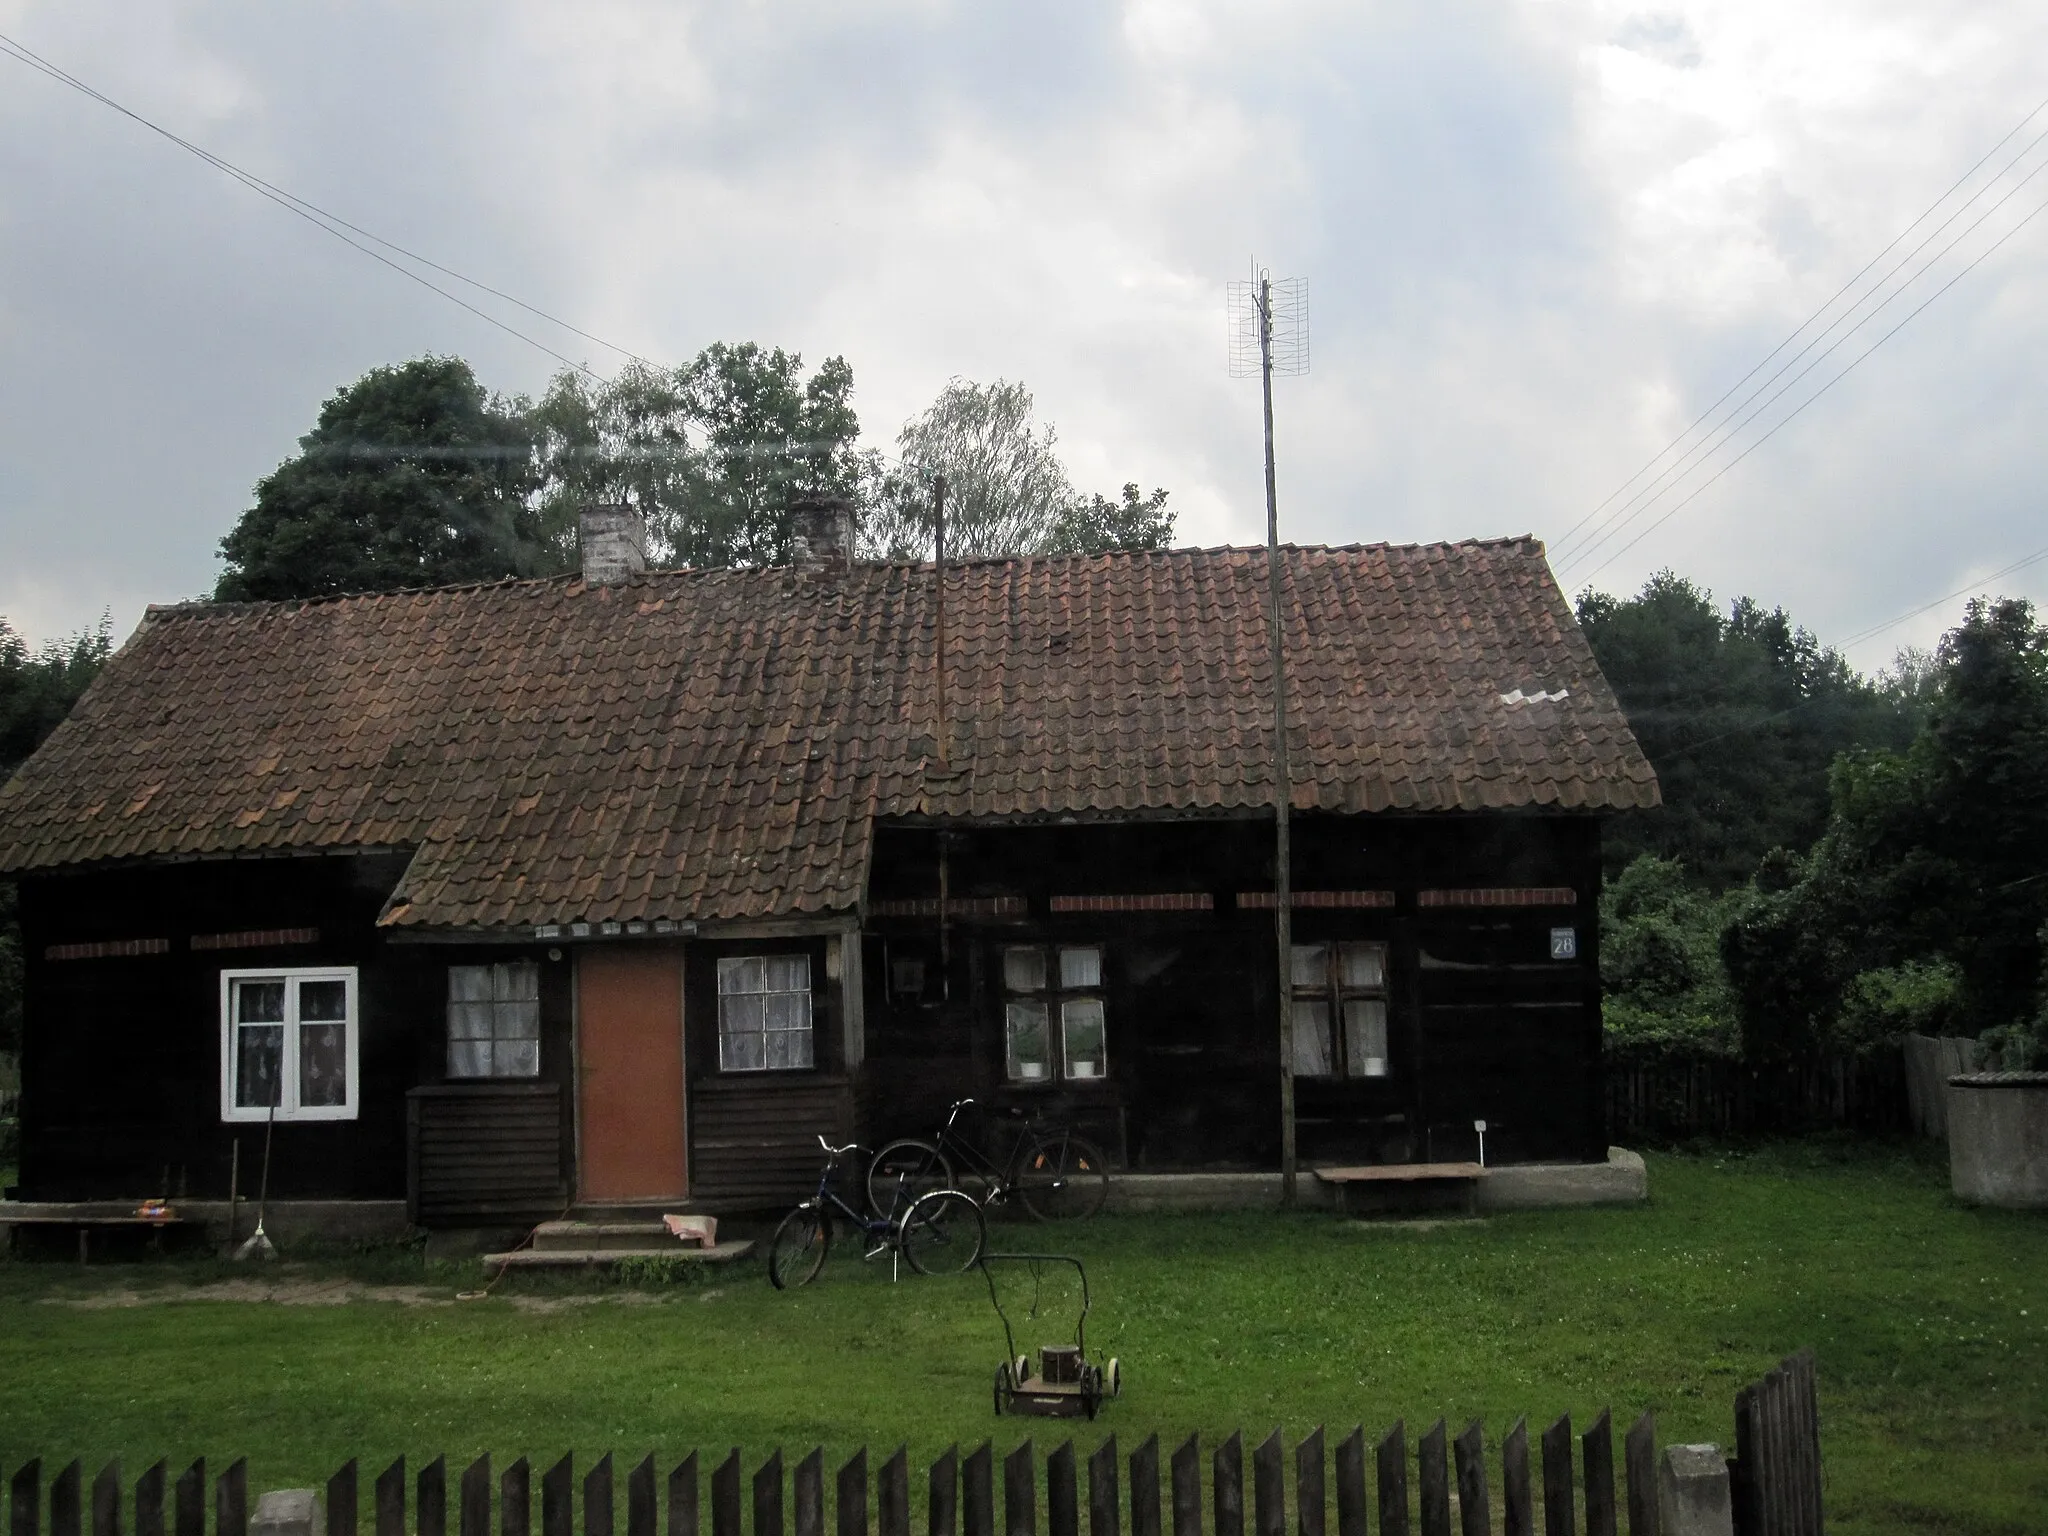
<point>1539,239</point>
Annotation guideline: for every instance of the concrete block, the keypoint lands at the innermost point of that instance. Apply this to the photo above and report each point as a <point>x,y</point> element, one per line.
<point>287,1512</point>
<point>1692,1492</point>
<point>1621,1180</point>
<point>1998,1138</point>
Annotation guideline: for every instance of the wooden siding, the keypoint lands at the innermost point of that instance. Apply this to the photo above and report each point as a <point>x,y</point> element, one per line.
<point>480,1153</point>
<point>755,1138</point>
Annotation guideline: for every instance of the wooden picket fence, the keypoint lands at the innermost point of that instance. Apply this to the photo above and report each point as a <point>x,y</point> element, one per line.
<point>1775,1479</point>
<point>1661,1100</point>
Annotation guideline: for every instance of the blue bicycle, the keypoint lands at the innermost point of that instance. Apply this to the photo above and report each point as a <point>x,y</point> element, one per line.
<point>939,1231</point>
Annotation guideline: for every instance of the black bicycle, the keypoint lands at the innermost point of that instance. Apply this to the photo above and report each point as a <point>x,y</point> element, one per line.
<point>939,1231</point>
<point>1056,1174</point>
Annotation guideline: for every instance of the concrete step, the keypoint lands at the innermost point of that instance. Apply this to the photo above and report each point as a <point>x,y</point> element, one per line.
<point>587,1258</point>
<point>626,1236</point>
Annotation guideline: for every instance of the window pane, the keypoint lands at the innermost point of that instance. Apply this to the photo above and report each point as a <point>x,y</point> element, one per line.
<point>516,1021</point>
<point>324,1002</point>
<point>1311,1038</point>
<point>469,983</point>
<point>469,1021</point>
<point>1024,1025</point>
<point>1082,1037</point>
<point>740,973</point>
<point>516,981</point>
<point>1363,965</point>
<point>1365,1037</point>
<point>469,1058</point>
<point>259,1061</point>
<point>1311,966</point>
<point>1080,968</point>
<point>1024,970</point>
<point>259,1002</point>
<point>323,1064</point>
<point>742,1053</point>
<point>518,1058</point>
<point>787,973</point>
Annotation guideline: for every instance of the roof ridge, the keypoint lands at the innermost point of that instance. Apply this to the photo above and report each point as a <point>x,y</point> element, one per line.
<point>203,607</point>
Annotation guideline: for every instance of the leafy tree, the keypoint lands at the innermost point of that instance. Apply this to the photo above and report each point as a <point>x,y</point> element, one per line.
<point>1660,961</point>
<point>1097,525</point>
<point>1006,490</point>
<point>1740,715</point>
<point>712,453</point>
<point>413,477</point>
<point>1933,858</point>
<point>37,690</point>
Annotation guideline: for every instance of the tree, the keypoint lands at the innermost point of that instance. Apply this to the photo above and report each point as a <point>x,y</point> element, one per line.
<point>1931,865</point>
<point>712,453</point>
<point>37,690</point>
<point>1007,492</point>
<point>1740,716</point>
<point>1097,525</point>
<point>413,477</point>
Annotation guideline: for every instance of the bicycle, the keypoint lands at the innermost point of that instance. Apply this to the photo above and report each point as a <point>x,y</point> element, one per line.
<point>939,1231</point>
<point>1056,1174</point>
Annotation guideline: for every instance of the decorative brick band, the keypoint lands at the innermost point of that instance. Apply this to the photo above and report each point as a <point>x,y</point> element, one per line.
<point>256,938</point>
<point>1166,901</point>
<point>956,906</point>
<point>1264,901</point>
<point>1502,896</point>
<point>107,949</point>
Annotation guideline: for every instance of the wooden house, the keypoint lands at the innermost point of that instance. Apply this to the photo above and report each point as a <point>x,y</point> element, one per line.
<point>622,887</point>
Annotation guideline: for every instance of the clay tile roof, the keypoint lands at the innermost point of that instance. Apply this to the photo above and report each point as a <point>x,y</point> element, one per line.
<point>718,744</point>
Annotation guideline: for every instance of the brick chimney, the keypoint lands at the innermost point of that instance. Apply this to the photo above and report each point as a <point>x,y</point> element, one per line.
<point>820,533</point>
<point>613,540</point>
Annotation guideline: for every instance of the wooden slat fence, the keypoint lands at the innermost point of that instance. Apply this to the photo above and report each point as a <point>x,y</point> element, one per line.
<point>1676,1098</point>
<point>1312,1489</point>
<point>1775,1477</point>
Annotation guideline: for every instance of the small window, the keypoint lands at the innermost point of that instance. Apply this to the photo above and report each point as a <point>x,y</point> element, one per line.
<point>1340,1010</point>
<point>494,1020</point>
<point>764,1013</point>
<point>1054,1024</point>
<point>288,1045</point>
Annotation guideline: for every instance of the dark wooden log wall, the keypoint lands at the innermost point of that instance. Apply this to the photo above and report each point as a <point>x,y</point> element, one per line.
<point>485,1152</point>
<point>754,1136</point>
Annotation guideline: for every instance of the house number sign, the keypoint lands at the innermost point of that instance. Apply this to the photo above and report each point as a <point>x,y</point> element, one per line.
<point>1564,943</point>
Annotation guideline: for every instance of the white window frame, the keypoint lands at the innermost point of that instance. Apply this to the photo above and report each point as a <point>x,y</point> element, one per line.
<point>288,1106</point>
<point>810,1010</point>
<point>495,1039</point>
<point>1054,996</point>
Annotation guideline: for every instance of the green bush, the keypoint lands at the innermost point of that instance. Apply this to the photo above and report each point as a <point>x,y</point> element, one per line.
<point>1660,963</point>
<point>1880,1007</point>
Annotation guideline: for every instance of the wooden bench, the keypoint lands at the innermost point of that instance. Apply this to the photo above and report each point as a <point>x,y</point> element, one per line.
<point>1385,1188</point>
<point>85,1226</point>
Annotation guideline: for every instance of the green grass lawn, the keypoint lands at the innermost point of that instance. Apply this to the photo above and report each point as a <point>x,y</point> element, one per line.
<point>1928,1319</point>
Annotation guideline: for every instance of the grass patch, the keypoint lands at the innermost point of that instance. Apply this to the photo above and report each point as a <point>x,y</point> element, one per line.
<point>1928,1318</point>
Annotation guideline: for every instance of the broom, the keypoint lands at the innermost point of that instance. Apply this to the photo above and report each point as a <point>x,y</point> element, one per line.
<point>259,1246</point>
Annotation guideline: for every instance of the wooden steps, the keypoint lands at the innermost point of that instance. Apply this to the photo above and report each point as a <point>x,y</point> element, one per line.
<point>585,1244</point>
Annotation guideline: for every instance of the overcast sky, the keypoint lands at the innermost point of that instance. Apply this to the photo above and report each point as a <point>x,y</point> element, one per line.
<point>1539,240</point>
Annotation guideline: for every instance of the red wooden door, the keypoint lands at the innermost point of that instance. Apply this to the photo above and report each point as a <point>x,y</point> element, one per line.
<point>629,1023</point>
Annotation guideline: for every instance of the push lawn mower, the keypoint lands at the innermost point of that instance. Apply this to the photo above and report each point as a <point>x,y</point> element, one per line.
<point>1066,1384</point>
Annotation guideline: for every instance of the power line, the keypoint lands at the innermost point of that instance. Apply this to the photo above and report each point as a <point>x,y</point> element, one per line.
<point>1726,431</point>
<point>1976,586</point>
<point>1831,383</point>
<point>333,224</point>
<point>1564,542</point>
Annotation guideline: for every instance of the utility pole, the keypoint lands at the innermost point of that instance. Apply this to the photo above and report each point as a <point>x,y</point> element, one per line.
<point>1254,309</point>
<point>1283,776</point>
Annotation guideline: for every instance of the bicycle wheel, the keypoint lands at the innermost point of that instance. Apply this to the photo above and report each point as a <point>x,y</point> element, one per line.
<point>918,1165</point>
<point>1061,1177</point>
<point>943,1232</point>
<point>798,1251</point>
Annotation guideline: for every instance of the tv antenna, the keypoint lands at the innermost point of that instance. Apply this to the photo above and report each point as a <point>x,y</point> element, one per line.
<point>1269,335</point>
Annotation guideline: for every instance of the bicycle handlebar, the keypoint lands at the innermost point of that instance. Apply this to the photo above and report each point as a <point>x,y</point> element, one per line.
<point>836,1152</point>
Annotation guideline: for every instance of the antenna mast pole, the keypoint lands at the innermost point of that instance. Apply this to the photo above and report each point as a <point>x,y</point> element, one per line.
<point>1283,777</point>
